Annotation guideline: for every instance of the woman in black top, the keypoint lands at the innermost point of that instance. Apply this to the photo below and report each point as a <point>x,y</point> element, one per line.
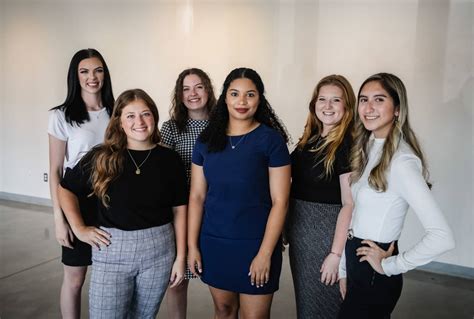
<point>321,202</point>
<point>141,187</point>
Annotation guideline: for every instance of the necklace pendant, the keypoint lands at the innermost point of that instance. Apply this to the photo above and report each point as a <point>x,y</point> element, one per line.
<point>233,147</point>
<point>137,171</point>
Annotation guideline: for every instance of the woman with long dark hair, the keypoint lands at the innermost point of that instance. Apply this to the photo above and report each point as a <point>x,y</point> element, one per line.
<point>193,100</point>
<point>239,197</point>
<point>142,197</point>
<point>389,175</point>
<point>74,128</point>
<point>321,202</point>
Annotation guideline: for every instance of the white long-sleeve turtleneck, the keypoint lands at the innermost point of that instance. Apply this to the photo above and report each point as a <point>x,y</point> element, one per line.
<point>379,216</point>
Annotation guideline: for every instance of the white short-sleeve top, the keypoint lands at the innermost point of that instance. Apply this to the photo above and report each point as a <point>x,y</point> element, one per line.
<point>79,139</point>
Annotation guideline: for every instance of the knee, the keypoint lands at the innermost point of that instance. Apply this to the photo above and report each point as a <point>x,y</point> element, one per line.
<point>74,280</point>
<point>180,290</point>
<point>226,309</point>
<point>254,313</point>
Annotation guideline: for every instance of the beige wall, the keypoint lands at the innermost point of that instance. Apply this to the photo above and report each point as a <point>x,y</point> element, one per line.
<point>292,44</point>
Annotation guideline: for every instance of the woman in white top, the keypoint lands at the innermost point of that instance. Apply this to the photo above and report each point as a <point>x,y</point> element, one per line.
<point>389,175</point>
<point>74,128</point>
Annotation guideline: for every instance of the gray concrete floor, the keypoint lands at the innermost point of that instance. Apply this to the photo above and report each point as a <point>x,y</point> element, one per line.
<point>31,273</point>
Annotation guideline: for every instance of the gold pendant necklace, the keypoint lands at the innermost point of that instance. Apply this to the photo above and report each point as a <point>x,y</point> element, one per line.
<point>138,171</point>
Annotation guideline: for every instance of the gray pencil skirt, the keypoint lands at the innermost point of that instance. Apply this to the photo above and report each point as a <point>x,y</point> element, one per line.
<point>130,276</point>
<point>310,230</point>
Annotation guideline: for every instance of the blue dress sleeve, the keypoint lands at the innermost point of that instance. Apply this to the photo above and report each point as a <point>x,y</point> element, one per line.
<point>198,153</point>
<point>278,154</point>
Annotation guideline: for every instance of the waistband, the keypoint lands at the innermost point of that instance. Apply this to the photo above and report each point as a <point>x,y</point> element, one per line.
<point>351,239</point>
<point>138,234</point>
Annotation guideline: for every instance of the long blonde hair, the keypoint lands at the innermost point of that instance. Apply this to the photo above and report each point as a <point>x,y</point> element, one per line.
<point>109,158</point>
<point>314,127</point>
<point>400,131</point>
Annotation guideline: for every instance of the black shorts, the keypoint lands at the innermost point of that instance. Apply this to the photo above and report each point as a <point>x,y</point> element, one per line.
<point>81,255</point>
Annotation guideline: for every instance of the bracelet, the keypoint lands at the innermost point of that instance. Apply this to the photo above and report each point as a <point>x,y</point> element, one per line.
<point>338,255</point>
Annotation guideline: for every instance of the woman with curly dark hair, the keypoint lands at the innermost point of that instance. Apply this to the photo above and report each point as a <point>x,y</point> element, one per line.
<point>239,197</point>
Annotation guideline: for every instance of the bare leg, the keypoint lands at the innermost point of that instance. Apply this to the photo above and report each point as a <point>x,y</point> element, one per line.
<point>226,303</point>
<point>255,306</point>
<point>71,288</point>
<point>177,301</point>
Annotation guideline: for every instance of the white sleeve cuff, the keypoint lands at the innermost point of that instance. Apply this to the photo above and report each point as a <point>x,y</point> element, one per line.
<point>389,266</point>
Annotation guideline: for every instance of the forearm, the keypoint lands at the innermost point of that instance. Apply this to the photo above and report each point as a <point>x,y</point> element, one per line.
<point>342,226</point>
<point>54,179</point>
<point>274,227</point>
<point>179,223</point>
<point>195,212</point>
<point>70,205</point>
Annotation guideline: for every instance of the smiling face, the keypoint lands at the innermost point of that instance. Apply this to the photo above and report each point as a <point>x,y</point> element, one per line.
<point>242,99</point>
<point>194,93</point>
<point>329,107</point>
<point>376,109</point>
<point>91,75</point>
<point>138,124</point>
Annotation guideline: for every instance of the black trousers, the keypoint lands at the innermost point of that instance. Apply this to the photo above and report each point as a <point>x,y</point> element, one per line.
<point>370,295</point>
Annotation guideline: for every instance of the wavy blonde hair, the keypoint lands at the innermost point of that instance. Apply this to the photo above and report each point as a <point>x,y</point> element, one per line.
<point>400,130</point>
<point>314,127</point>
<point>109,158</point>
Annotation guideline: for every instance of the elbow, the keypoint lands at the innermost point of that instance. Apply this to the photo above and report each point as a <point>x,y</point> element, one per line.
<point>281,203</point>
<point>349,207</point>
<point>195,200</point>
<point>446,242</point>
<point>450,242</point>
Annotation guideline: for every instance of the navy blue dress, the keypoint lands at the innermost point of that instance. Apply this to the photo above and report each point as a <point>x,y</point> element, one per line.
<point>236,209</point>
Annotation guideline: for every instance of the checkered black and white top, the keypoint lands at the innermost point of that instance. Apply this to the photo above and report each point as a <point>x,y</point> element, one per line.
<point>183,142</point>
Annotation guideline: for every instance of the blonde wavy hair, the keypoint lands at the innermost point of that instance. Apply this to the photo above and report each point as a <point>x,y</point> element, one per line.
<point>314,127</point>
<point>109,158</point>
<point>400,131</point>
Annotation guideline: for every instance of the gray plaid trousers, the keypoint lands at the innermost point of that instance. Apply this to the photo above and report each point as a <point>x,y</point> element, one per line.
<point>130,276</point>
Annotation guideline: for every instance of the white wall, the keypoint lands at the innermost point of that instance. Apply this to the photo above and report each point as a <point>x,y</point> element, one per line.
<point>291,43</point>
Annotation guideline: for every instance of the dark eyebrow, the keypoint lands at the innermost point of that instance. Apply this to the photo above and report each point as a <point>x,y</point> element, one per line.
<point>380,95</point>
<point>188,86</point>
<point>337,96</point>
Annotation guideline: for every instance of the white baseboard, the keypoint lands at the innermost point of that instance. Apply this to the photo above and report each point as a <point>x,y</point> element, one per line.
<point>434,267</point>
<point>448,269</point>
<point>26,199</point>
